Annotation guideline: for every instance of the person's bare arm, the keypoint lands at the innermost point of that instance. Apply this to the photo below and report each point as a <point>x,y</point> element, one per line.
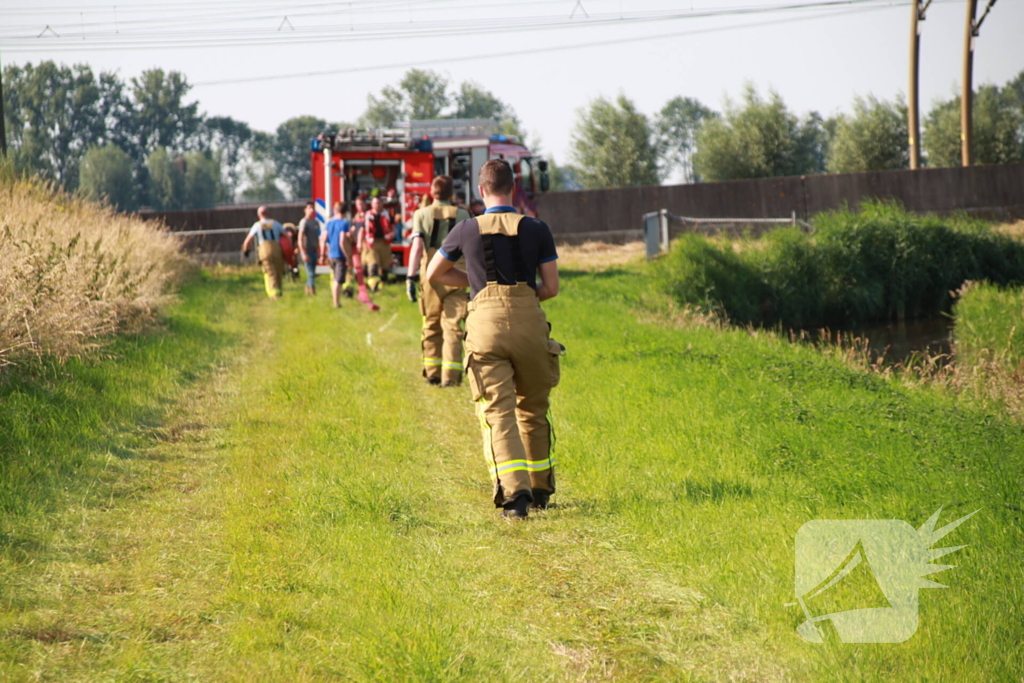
<point>415,254</point>
<point>548,288</point>
<point>247,243</point>
<point>444,272</point>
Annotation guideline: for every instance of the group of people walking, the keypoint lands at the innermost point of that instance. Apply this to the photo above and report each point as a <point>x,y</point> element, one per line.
<point>475,279</point>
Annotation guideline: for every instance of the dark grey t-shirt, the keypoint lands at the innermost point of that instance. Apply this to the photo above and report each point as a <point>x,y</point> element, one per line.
<point>535,241</point>
<point>309,233</point>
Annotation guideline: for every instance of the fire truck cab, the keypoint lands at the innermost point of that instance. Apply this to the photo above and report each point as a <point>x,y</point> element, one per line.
<point>398,165</point>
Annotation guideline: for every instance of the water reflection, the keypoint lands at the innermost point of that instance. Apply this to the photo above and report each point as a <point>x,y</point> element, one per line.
<point>893,343</point>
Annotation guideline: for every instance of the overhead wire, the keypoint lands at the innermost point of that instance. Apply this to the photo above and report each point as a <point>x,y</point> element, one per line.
<point>533,51</point>
<point>422,29</point>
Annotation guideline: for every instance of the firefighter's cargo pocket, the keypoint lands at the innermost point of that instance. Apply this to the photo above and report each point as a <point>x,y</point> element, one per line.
<point>473,377</point>
<point>555,352</point>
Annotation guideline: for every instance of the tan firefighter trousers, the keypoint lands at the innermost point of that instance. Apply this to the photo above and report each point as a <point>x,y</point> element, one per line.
<point>272,261</point>
<point>512,365</point>
<point>443,310</point>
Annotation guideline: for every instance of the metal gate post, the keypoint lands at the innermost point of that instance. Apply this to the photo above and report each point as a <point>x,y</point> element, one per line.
<point>663,221</point>
<point>652,236</point>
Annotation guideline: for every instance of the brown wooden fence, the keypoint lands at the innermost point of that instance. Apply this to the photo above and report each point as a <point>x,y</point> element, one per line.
<point>614,214</point>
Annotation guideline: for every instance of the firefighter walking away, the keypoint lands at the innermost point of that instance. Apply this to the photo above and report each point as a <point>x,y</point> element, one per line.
<point>443,308</point>
<point>511,362</point>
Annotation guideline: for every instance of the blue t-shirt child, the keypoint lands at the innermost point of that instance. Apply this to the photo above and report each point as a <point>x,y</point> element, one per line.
<point>335,228</point>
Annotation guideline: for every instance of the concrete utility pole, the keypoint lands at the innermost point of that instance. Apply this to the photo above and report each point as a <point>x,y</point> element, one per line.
<point>3,129</point>
<point>967,99</point>
<point>917,11</point>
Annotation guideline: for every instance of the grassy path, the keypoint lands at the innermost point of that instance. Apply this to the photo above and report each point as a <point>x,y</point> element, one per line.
<point>283,500</point>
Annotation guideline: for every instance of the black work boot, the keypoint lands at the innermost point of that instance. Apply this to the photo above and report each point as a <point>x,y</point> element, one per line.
<point>517,508</point>
<point>540,499</point>
<point>434,381</point>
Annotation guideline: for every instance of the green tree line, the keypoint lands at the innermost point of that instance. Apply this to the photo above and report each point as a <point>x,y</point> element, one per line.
<point>614,144</point>
<point>144,142</point>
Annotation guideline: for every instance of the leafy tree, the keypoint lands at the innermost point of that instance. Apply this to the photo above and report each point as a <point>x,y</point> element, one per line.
<point>53,115</point>
<point>426,93</point>
<point>385,111</point>
<point>162,119</point>
<point>262,188</point>
<point>421,94</point>
<point>612,145</point>
<point>106,173</point>
<point>997,128</point>
<point>202,180</point>
<point>677,124</point>
<point>874,138</point>
<point>290,152</point>
<point>228,141</point>
<point>472,101</point>
<point>260,171</point>
<point>1016,88</point>
<point>759,139</point>
<point>166,180</point>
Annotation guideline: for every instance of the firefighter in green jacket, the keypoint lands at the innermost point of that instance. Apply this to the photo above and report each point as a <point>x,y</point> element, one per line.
<point>443,308</point>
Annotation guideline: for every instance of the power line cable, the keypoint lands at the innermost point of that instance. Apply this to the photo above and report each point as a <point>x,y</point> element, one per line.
<point>419,30</point>
<point>533,51</point>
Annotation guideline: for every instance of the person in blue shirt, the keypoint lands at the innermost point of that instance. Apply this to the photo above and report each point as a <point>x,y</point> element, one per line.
<point>337,236</point>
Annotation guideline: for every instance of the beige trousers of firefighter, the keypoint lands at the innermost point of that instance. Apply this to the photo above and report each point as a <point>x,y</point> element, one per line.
<point>512,365</point>
<point>377,258</point>
<point>272,260</point>
<point>443,310</point>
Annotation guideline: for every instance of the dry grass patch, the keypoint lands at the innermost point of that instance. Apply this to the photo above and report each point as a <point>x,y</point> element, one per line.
<point>592,256</point>
<point>73,272</point>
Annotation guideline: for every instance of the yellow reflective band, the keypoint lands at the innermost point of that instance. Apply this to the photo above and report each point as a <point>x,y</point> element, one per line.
<point>551,431</point>
<point>451,366</point>
<point>511,466</point>
<point>481,405</point>
<point>431,361</point>
<point>539,465</point>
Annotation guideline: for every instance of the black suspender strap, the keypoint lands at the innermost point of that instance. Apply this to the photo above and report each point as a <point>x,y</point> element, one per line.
<point>435,233</point>
<point>492,270</point>
<point>517,258</point>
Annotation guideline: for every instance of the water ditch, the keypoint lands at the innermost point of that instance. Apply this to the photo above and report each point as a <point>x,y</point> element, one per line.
<point>890,344</point>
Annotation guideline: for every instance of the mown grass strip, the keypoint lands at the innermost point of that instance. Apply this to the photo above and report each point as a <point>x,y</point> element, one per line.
<point>346,533</point>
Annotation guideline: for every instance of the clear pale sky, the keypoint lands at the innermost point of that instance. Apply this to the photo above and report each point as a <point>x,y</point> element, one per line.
<point>816,59</point>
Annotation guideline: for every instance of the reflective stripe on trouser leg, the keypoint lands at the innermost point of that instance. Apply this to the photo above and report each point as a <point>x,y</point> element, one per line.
<point>506,328</point>
<point>534,418</point>
<point>432,339</point>
<point>503,449</point>
<point>453,312</point>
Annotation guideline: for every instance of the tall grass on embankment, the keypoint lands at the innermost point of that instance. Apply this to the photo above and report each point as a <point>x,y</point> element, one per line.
<point>73,272</point>
<point>989,344</point>
<point>878,264</point>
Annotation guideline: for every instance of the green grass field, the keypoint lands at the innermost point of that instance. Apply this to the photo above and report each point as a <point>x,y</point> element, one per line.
<point>266,491</point>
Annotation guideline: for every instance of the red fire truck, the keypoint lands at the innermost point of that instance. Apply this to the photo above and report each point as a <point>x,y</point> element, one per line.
<point>398,165</point>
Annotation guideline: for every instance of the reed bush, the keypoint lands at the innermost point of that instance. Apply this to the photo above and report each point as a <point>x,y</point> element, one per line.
<point>73,272</point>
<point>877,264</point>
<point>989,326</point>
